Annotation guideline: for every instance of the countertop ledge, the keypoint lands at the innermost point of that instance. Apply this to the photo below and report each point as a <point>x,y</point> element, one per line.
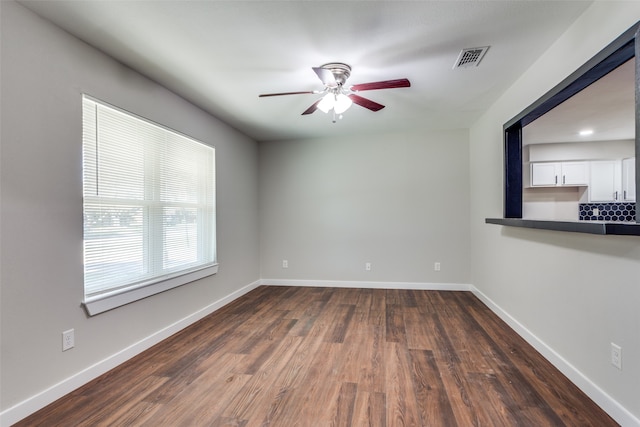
<point>589,227</point>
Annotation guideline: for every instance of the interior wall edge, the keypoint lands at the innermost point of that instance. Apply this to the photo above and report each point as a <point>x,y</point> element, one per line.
<point>611,406</point>
<point>40,400</point>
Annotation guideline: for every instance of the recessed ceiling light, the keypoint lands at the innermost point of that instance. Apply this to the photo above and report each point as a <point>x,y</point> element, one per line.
<point>586,132</point>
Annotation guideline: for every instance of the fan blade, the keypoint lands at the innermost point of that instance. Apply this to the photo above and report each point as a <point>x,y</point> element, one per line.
<point>312,109</point>
<point>387,84</point>
<point>366,103</point>
<point>325,76</point>
<point>285,93</point>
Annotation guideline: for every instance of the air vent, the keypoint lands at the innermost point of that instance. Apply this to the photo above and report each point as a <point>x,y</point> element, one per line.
<point>470,57</point>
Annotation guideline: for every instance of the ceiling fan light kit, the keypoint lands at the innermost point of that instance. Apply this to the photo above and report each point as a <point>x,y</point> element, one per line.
<point>337,96</point>
<point>338,102</point>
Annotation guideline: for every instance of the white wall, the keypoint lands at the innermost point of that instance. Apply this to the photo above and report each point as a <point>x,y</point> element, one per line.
<point>44,73</point>
<point>577,151</point>
<point>399,201</point>
<point>575,293</point>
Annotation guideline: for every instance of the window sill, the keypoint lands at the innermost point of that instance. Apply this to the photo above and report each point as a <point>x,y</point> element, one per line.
<point>107,302</point>
<point>589,227</point>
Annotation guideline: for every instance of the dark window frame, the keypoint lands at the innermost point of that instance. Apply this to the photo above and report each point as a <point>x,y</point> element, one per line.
<point>622,49</point>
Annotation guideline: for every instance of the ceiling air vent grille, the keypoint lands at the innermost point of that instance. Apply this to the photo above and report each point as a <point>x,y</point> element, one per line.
<point>470,57</point>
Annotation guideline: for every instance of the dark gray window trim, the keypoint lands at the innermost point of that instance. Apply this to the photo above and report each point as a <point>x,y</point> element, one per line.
<point>615,54</point>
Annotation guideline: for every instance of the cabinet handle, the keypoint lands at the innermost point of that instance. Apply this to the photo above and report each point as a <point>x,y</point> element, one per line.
<point>556,179</point>
<point>624,195</point>
<point>563,179</point>
<point>615,196</point>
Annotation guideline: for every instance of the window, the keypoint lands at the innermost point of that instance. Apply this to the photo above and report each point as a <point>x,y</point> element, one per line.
<point>149,208</point>
<point>617,53</point>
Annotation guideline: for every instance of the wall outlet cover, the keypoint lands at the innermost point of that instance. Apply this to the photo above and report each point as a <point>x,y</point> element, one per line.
<point>616,356</point>
<point>68,340</point>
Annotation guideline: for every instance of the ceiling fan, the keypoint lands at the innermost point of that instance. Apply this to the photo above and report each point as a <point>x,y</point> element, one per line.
<point>337,96</point>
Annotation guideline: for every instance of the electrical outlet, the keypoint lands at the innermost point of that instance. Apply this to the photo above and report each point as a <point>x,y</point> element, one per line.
<point>68,340</point>
<point>285,263</point>
<point>436,266</point>
<point>616,356</point>
<point>367,266</point>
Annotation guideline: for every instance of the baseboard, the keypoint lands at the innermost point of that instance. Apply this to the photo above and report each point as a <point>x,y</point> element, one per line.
<point>42,399</point>
<point>618,412</point>
<point>369,285</point>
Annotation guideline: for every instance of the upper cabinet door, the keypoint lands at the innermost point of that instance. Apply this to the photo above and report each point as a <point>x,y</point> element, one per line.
<point>629,179</point>
<point>545,174</point>
<point>574,173</point>
<point>605,181</point>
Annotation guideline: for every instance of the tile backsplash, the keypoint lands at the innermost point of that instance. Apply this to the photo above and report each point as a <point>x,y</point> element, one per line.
<point>607,212</point>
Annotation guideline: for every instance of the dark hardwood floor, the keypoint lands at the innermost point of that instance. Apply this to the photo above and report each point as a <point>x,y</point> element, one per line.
<point>289,356</point>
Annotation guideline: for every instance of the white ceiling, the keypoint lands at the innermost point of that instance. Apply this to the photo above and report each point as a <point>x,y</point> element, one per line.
<point>221,54</point>
<point>606,107</point>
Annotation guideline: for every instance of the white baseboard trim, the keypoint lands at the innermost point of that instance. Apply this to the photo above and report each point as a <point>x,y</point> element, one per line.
<point>42,399</point>
<point>370,285</point>
<point>618,412</point>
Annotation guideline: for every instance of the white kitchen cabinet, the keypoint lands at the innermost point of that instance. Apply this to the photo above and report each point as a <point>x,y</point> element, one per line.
<point>605,181</point>
<point>546,174</point>
<point>629,179</point>
<point>575,173</point>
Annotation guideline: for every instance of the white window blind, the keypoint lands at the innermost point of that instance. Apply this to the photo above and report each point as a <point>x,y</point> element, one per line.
<point>149,203</point>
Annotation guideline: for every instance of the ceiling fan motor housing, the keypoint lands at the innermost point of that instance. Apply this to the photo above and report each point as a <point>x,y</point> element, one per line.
<point>340,71</point>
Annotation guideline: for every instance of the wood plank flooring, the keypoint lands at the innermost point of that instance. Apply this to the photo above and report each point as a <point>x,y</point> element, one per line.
<point>290,356</point>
